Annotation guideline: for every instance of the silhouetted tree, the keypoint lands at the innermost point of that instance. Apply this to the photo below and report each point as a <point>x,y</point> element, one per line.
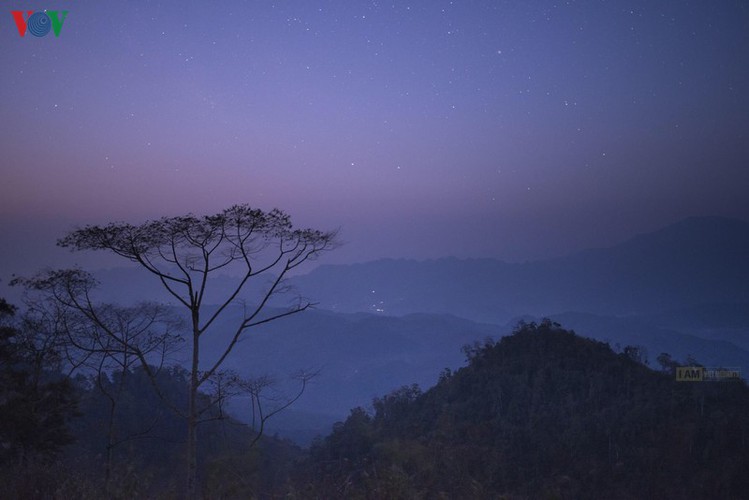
<point>36,403</point>
<point>101,338</point>
<point>183,253</point>
<point>637,353</point>
<point>667,363</point>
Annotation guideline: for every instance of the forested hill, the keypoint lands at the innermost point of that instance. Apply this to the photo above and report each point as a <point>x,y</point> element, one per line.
<point>543,413</point>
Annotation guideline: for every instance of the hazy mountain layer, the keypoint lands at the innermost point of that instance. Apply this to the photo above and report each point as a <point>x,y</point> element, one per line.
<point>701,260</point>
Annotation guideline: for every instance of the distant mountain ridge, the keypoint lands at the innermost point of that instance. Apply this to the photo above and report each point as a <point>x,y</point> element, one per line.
<point>692,263</point>
<point>697,261</point>
<point>360,355</point>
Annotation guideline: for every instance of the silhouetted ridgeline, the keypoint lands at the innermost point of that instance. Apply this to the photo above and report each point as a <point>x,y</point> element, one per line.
<point>698,261</point>
<point>542,413</point>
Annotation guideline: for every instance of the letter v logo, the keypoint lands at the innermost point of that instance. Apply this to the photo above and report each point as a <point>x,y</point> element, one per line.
<point>20,21</point>
<point>57,21</point>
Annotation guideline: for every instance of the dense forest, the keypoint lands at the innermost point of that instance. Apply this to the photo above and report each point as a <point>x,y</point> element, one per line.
<point>116,434</point>
<point>541,413</point>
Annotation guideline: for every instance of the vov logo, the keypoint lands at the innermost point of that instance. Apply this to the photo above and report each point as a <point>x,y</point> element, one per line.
<point>39,23</point>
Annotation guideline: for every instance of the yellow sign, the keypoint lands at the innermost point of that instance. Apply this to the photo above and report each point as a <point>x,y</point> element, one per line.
<point>701,373</point>
<point>690,373</point>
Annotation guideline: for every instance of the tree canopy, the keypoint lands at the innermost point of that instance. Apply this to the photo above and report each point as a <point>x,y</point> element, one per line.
<point>183,253</point>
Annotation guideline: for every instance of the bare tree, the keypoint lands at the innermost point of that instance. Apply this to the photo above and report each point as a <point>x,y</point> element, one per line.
<point>256,390</point>
<point>183,253</point>
<point>104,340</point>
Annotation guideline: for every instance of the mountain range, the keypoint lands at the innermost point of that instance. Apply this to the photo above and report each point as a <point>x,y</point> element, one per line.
<point>379,325</point>
<point>698,261</point>
<point>683,290</point>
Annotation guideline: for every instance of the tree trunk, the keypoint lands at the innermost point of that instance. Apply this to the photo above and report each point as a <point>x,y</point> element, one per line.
<point>192,441</point>
<point>110,447</point>
<point>192,416</point>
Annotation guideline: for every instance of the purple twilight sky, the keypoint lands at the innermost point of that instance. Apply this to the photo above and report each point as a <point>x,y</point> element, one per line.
<point>516,130</point>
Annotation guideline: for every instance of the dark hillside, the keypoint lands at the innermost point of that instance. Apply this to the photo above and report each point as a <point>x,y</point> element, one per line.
<point>544,413</point>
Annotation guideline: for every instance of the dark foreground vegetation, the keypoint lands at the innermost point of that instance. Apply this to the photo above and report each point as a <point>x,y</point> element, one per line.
<point>541,413</point>
<point>118,434</point>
